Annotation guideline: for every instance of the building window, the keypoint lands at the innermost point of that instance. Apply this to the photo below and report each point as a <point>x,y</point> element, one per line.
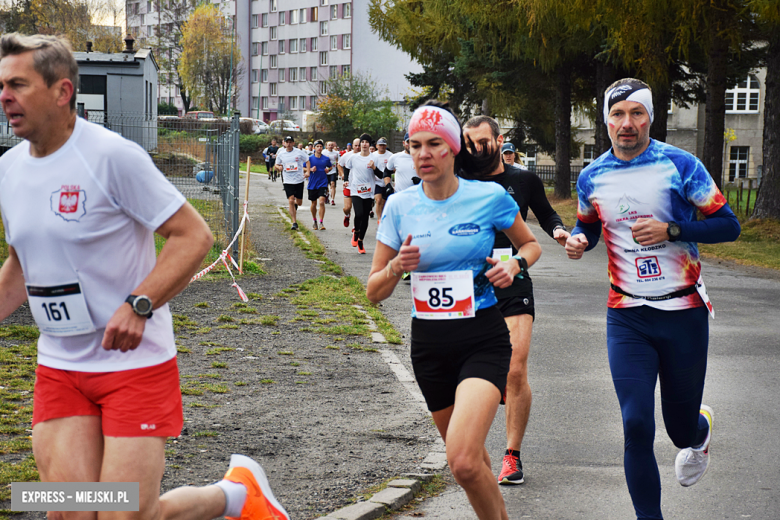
<point>302,102</point>
<point>265,20</point>
<point>255,103</point>
<point>303,44</point>
<point>293,103</point>
<point>274,6</point>
<point>313,102</point>
<point>530,157</point>
<point>302,73</point>
<point>293,74</point>
<point>313,44</point>
<point>323,88</point>
<point>347,11</point>
<point>293,16</point>
<point>264,48</point>
<point>334,71</point>
<point>274,62</point>
<point>293,45</point>
<point>313,74</point>
<point>265,102</point>
<point>255,48</point>
<point>334,12</point>
<point>254,21</point>
<point>346,41</point>
<point>264,76</point>
<point>281,104</point>
<point>273,32</point>
<point>346,70</point>
<point>323,28</point>
<point>254,75</point>
<point>334,43</point>
<point>314,14</point>
<point>738,162</point>
<point>273,89</point>
<point>281,46</point>
<point>323,58</point>
<point>282,17</point>
<point>588,154</point>
<point>281,75</point>
<point>743,97</point>
<point>303,15</point>
<point>323,2</point>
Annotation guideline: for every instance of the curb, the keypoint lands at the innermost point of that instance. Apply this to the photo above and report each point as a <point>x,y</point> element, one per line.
<point>397,494</point>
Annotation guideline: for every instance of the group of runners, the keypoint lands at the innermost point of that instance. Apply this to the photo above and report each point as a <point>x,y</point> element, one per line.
<point>107,386</point>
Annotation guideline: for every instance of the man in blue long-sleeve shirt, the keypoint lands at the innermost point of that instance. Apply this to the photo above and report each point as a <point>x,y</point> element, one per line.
<point>645,195</point>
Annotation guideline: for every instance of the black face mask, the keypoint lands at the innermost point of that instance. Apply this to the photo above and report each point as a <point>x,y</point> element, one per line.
<point>479,165</point>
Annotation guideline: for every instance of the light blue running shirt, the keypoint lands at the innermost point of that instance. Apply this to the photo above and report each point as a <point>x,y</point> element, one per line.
<point>455,234</point>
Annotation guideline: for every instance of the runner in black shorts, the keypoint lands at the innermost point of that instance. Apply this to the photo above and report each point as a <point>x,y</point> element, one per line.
<point>294,164</point>
<point>443,231</point>
<point>516,302</point>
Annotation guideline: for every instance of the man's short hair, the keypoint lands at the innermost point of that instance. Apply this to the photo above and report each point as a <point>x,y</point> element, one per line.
<point>626,81</point>
<point>52,57</point>
<point>477,121</point>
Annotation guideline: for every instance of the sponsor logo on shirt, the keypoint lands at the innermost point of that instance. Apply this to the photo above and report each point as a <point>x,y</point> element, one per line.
<point>422,235</point>
<point>510,190</point>
<point>69,202</point>
<point>464,230</point>
<point>648,267</point>
<point>148,426</point>
<point>625,202</point>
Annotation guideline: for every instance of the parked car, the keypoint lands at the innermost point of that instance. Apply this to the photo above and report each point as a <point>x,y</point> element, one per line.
<point>284,125</point>
<point>200,115</point>
<point>258,126</point>
<point>168,118</point>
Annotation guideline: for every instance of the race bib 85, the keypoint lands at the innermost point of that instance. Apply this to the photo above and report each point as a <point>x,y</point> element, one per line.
<point>447,295</point>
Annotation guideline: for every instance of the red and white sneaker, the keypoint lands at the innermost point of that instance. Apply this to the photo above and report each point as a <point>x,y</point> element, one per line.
<point>511,471</point>
<point>346,220</point>
<point>260,502</point>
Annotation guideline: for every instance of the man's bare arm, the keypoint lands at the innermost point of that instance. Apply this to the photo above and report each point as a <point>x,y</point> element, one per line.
<point>12,290</point>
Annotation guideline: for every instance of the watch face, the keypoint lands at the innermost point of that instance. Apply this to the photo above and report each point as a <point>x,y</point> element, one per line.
<point>143,305</point>
<point>674,230</point>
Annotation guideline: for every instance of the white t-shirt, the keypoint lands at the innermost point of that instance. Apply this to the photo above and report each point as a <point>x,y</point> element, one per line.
<point>87,214</point>
<point>361,177</point>
<point>333,156</point>
<point>403,165</point>
<point>380,161</point>
<point>343,158</point>
<point>292,165</point>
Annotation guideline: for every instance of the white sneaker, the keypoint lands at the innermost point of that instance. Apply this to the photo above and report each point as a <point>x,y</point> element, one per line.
<point>692,463</point>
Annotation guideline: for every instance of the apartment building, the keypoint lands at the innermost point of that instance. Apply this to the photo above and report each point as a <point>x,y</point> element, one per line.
<point>289,49</point>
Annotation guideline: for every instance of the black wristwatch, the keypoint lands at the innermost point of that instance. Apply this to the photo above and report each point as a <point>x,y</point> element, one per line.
<point>673,230</point>
<point>141,305</point>
<point>523,265</point>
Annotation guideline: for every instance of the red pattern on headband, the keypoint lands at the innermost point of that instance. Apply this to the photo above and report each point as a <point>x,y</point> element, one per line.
<point>439,122</point>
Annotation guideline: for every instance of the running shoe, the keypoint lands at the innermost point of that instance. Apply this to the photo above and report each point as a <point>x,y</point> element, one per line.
<point>511,471</point>
<point>371,214</point>
<point>346,220</point>
<point>692,463</point>
<point>322,226</point>
<point>332,202</point>
<point>361,249</point>
<point>314,226</point>
<point>260,504</point>
<point>354,240</point>
<point>294,226</point>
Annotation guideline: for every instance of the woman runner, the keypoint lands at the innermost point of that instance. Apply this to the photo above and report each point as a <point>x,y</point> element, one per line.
<point>443,230</point>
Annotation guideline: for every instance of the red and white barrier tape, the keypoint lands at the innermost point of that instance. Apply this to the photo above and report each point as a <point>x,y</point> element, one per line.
<point>225,254</point>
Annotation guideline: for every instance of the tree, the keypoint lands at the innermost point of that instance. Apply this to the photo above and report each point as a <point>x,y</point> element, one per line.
<point>210,61</point>
<point>355,103</point>
<point>768,200</point>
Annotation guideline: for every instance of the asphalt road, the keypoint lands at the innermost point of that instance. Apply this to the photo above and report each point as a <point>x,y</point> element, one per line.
<point>572,451</point>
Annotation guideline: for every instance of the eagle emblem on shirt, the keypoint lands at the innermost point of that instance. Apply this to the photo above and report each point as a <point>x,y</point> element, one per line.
<point>69,203</point>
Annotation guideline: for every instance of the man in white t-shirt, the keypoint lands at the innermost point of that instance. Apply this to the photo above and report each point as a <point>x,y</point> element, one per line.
<point>402,165</point>
<point>293,163</point>
<point>80,206</point>
<point>381,156</point>
<point>334,157</point>
<point>344,174</point>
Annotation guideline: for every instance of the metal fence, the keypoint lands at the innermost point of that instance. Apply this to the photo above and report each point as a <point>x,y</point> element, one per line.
<point>548,172</point>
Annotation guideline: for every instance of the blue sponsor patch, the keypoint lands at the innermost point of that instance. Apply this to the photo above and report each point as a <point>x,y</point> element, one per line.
<point>464,230</point>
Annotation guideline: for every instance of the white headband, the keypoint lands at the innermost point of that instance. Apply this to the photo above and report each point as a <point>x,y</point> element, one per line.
<point>439,121</point>
<point>629,92</point>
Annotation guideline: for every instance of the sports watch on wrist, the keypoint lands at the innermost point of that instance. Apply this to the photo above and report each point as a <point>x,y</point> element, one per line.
<point>141,305</point>
<point>673,230</point>
<point>523,265</point>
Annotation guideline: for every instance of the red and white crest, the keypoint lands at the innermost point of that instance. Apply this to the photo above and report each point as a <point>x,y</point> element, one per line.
<point>69,201</point>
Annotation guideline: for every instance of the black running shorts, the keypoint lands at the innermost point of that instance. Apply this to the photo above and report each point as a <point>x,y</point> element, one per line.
<point>445,352</point>
<point>379,190</point>
<point>295,190</point>
<point>332,177</point>
<point>317,193</point>
<point>517,305</point>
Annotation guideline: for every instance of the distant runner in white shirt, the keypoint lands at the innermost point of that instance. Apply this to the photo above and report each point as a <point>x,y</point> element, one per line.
<point>80,205</point>
<point>333,155</point>
<point>293,163</point>
<point>402,165</point>
<point>381,156</point>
